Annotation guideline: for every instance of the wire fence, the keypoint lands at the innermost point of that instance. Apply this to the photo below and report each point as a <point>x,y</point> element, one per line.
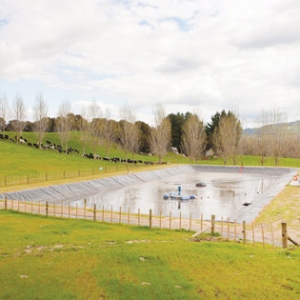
<point>275,234</point>
<point>41,177</point>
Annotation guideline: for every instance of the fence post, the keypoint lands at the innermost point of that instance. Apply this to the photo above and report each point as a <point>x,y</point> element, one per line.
<point>263,234</point>
<point>170,220</point>
<point>190,228</point>
<point>180,221</point>
<point>94,212</point>
<point>150,218</point>
<point>284,234</point>
<point>47,209</point>
<point>84,208</point>
<point>228,228</point>
<point>128,215</point>
<point>103,213</point>
<point>160,219</point>
<point>244,231</point>
<point>120,212</point>
<point>76,210</point>
<point>201,221</point>
<point>139,212</point>
<point>69,210</point>
<point>111,214</point>
<point>5,203</point>
<point>213,218</point>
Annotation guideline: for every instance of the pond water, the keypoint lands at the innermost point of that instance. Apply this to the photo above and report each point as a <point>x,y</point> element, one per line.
<point>223,195</point>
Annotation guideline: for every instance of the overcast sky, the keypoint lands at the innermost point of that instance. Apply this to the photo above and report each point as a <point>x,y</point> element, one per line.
<point>191,55</point>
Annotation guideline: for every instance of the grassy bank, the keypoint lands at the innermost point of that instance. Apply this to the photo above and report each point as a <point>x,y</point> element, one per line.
<point>75,259</point>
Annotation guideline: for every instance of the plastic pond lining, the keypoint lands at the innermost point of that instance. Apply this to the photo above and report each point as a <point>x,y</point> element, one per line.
<point>238,193</point>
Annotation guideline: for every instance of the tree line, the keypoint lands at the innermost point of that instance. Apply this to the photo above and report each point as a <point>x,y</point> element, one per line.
<point>186,133</point>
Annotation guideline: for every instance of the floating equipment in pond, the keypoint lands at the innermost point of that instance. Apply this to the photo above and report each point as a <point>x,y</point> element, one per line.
<point>200,184</point>
<point>246,203</point>
<point>175,196</point>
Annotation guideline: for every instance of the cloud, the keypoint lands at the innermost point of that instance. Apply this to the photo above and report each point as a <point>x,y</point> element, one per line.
<point>184,54</point>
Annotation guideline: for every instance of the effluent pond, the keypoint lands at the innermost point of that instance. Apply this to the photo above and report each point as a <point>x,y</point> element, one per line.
<point>193,193</point>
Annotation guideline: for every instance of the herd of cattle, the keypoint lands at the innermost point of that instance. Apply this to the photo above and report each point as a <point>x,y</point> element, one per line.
<point>59,148</point>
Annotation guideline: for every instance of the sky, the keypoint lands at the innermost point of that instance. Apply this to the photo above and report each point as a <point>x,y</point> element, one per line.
<point>189,56</point>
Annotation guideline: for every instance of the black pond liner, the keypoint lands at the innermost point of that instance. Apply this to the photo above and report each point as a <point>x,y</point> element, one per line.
<point>234,192</point>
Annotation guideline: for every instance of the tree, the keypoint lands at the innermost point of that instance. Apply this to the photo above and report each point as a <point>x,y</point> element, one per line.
<point>262,136</point>
<point>83,126</point>
<point>3,112</point>
<point>63,124</point>
<point>145,131</point>
<point>210,129</point>
<point>161,133</point>
<point>129,131</point>
<point>19,114</point>
<point>227,135</point>
<point>278,132</point>
<point>95,126</point>
<point>177,122</point>
<point>41,121</point>
<point>193,137</point>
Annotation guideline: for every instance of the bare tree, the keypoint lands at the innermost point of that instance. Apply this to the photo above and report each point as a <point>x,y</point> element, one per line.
<point>4,109</point>
<point>95,126</point>
<point>227,136</point>
<point>193,138</point>
<point>263,136</point>
<point>161,133</point>
<point>129,131</point>
<point>64,124</point>
<point>19,115</point>
<point>41,119</point>
<point>83,125</point>
<point>278,132</point>
<point>110,132</point>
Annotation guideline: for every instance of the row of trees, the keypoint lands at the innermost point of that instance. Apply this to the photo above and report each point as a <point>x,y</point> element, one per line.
<point>187,132</point>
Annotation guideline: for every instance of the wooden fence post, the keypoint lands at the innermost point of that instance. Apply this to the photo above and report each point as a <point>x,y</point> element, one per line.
<point>69,210</point>
<point>76,210</point>
<point>190,227</point>
<point>111,214</point>
<point>47,209</point>
<point>228,228</point>
<point>234,230</point>
<point>244,232</point>
<point>263,234</point>
<point>120,212</point>
<point>253,235</point>
<point>128,215</point>
<point>5,203</point>
<point>139,212</point>
<point>103,213</point>
<point>284,234</point>
<point>84,212</point>
<point>180,221</point>
<point>94,212</point>
<point>61,210</point>
<point>201,221</point>
<point>213,218</point>
<point>150,218</point>
<point>170,220</point>
<point>160,219</point>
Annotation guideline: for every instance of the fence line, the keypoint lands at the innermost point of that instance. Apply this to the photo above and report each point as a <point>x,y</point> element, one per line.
<point>254,233</point>
<point>11,180</point>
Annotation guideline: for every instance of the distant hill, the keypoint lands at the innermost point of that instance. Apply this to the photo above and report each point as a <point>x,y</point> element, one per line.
<point>293,128</point>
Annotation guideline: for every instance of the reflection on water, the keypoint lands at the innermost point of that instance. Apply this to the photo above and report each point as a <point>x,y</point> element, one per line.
<point>223,195</point>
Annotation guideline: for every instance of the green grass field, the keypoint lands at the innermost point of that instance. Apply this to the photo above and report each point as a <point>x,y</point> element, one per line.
<point>45,258</point>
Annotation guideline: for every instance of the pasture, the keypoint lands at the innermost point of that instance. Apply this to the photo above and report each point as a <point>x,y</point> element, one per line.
<point>45,258</point>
